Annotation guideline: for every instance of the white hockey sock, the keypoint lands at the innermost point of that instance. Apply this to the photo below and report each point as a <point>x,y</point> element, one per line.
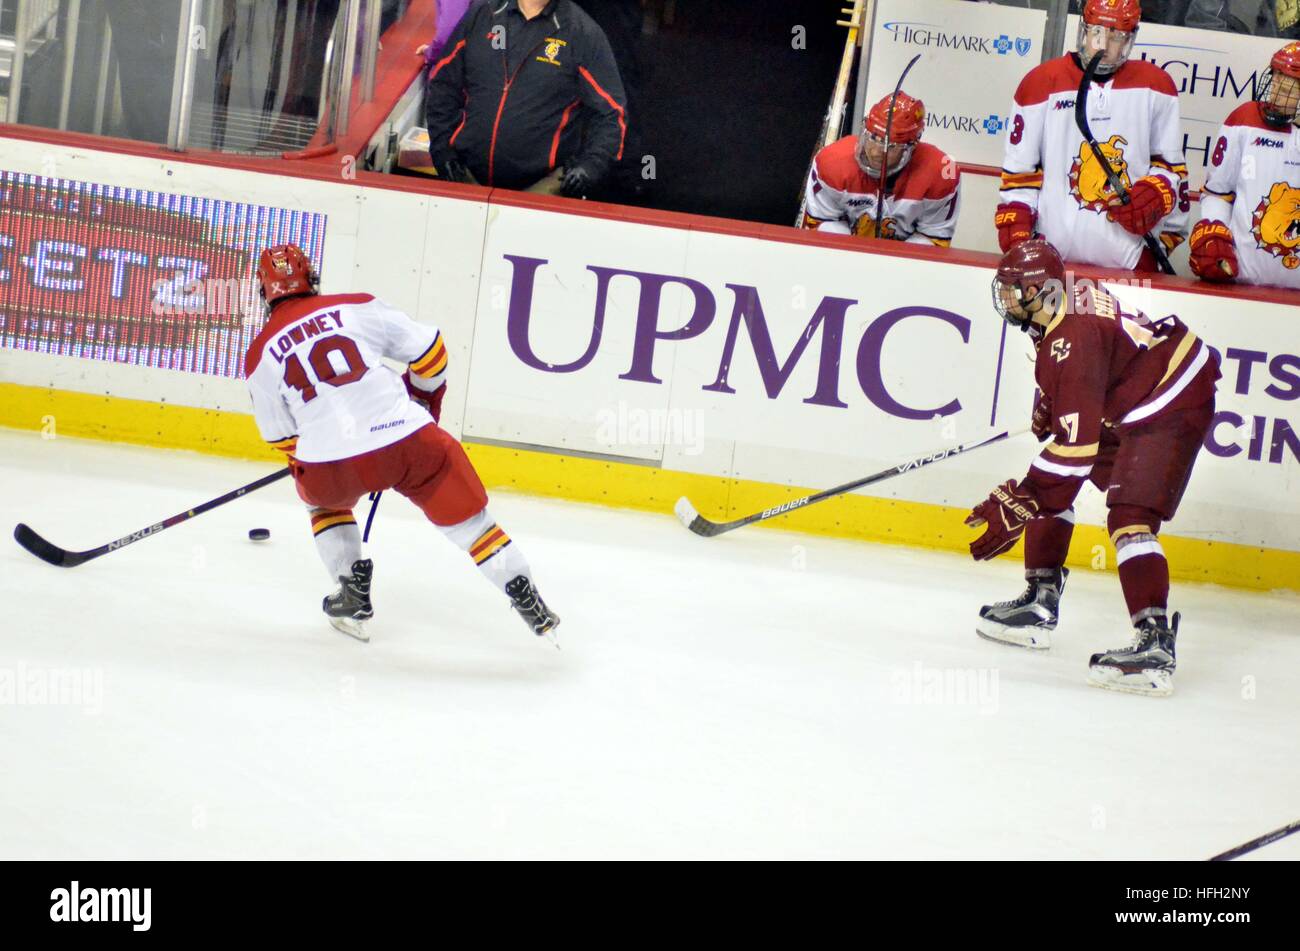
<point>338,540</point>
<point>496,555</point>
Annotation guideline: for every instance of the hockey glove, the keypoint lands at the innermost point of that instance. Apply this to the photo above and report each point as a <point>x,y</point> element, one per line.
<point>1214,252</point>
<point>1015,224</point>
<point>1150,199</point>
<point>1005,512</point>
<point>449,167</point>
<point>577,181</point>
<point>1041,426</point>
<point>429,399</point>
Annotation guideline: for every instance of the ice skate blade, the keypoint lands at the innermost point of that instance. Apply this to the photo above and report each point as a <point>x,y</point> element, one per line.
<point>350,627</point>
<point>551,634</point>
<point>1031,638</point>
<point>1154,683</point>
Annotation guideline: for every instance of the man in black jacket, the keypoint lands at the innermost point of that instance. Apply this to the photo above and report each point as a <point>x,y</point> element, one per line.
<point>507,100</point>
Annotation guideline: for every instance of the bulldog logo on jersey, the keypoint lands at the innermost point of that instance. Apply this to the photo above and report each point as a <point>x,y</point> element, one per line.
<point>551,51</point>
<point>1276,224</point>
<point>865,227</point>
<point>1088,182</point>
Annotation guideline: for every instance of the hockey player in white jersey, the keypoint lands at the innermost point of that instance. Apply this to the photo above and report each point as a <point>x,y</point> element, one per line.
<point>1052,184</point>
<point>1250,206</point>
<point>922,187</point>
<point>350,426</point>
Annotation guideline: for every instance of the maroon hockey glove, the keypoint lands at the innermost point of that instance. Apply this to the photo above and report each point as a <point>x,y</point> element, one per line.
<point>1213,252</point>
<point>429,399</point>
<point>1041,426</point>
<point>1015,224</point>
<point>1005,512</point>
<point>1150,199</point>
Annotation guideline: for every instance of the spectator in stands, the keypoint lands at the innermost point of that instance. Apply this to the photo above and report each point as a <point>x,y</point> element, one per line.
<point>1279,18</point>
<point>508,101</point>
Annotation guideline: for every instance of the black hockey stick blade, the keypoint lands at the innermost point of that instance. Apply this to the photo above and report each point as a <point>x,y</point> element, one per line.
<point>1112,177</point>
<point>689,516</point>
<point>44,550</point>
<point>1254,844</point>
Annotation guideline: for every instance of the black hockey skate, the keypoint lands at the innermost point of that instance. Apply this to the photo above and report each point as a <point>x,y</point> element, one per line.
<point>1146,667</point>
<point>349,608</point>
<point>539,618</point>
<point>1029,620</point>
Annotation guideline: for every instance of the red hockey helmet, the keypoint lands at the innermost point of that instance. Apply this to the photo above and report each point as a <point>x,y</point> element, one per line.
<point>903,131</point>
<point>1108,28</point>
<point>1279,94</point>
<point>1122,15</point>
<point>284,271</point>
<point>1030,279</point>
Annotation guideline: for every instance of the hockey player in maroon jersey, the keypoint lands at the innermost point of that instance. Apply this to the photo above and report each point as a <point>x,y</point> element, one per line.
<point>922,187</point>
<point>1053,185</point>
<point>1126,402</point>
<point>350,425</point>
<point>1250,206</point>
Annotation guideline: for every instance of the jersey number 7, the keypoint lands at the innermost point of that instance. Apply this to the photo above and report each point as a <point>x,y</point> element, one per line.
<point>319,358</point>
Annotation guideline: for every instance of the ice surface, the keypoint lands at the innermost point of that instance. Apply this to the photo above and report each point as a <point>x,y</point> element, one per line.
<point>759,695</point>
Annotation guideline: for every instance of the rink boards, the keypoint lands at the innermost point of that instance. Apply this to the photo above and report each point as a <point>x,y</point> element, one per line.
<point>627,358</point>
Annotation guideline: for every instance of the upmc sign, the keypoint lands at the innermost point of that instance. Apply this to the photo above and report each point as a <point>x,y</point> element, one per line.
<point>805,363</point>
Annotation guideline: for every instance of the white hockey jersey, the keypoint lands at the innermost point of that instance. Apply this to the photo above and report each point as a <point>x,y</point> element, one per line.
<point>1048,166</point>
<point>1254,187</point>
<point>320,388</point>
<point>922,200</point>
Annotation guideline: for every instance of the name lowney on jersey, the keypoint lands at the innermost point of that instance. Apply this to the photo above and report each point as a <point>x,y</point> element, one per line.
<point>922,199</point>
<point>1254,187</point>
<point>320,388</point>
<point>1048,166</point>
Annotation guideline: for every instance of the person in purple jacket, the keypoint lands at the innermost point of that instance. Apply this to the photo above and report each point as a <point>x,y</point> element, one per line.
<point>449,16</point>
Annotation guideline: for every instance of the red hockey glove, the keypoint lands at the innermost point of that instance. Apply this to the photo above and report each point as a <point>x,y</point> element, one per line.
<point>1214,252</point>
<point>1015,224</point>
<point>1042,422</point>
<point>429,399</point>
<point>1005,512</point>
<point>1150,199</point>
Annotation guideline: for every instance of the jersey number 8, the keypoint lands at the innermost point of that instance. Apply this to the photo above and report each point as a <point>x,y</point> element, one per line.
<point>319,358</point>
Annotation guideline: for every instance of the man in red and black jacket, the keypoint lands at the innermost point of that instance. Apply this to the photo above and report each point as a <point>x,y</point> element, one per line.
<point>507,101</point>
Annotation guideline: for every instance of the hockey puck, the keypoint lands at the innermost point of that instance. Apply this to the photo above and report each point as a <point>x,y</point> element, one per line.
<point>259,534</point>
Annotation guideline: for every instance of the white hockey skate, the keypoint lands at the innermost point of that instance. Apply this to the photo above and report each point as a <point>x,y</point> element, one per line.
<point>1146,667</point>
<point>349,608</point>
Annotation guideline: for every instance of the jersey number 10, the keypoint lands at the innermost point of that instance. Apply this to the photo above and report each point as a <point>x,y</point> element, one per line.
<point>319,358</point>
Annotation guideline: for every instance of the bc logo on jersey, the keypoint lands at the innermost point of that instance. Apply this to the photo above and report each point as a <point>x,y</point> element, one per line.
<point>1060,350</point>
<point>1088,182</point>
<point>1276,224</point>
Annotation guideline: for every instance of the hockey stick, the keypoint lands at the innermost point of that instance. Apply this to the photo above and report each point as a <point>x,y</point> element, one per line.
<point>697,523</point>
<point>63,558</point>
<point>374,507</point>
<point>1116,183</point>
<point>1254,844</point>
<point>884,162</point>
